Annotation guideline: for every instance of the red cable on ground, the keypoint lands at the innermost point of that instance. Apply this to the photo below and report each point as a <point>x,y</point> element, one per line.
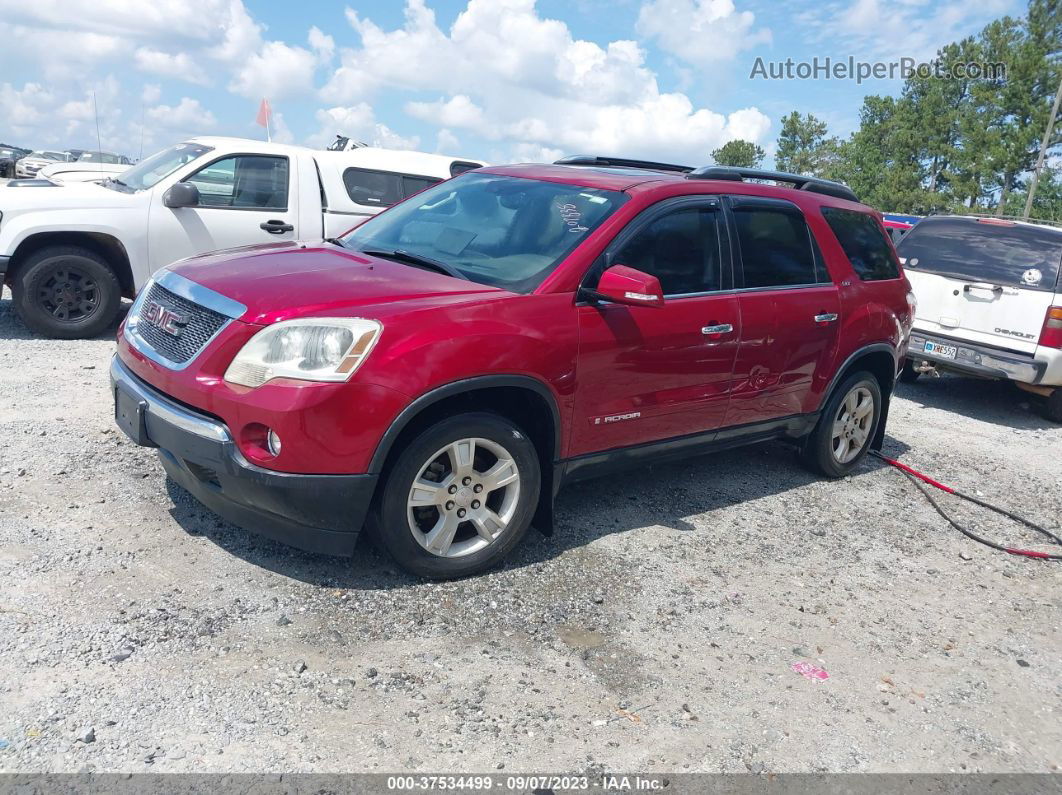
<point>918,478</point>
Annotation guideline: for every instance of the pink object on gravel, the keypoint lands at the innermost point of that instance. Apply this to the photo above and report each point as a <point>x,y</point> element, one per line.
<point>809,671</point>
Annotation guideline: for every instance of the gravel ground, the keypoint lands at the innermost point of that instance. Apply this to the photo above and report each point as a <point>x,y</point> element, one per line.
<point>655,631</point>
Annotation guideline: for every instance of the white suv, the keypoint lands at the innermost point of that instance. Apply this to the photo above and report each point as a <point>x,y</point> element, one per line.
<point>988,302</point>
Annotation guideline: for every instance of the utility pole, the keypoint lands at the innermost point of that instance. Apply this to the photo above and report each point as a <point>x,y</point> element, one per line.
<point>1043,153</point>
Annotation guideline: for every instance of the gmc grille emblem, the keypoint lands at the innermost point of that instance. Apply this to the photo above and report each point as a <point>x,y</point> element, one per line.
<point>166,319</point>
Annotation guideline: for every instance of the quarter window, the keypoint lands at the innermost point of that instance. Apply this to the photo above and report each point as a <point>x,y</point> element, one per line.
<point>776,247</point>
<point>244,181</point>
<point>383,188</point>
<point>681,249</point>
<point>863,244</point>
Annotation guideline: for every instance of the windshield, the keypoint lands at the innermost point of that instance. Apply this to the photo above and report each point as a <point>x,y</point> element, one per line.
<point>161,164</point>
<point>101,157</point>
<point>1010,255</point>
<point>504,231</point>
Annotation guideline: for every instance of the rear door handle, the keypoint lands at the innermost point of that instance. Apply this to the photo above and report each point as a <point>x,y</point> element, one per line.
<point>722,328</point>
<point>275,227</point>
<point>995,288</point>
<point>826,317</point>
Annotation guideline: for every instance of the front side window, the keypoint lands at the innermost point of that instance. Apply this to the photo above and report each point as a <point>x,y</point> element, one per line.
<point>680,248</point>
<point>245,182</point>
<point>149,171</point>
<point>775,245</point>
<point>504,231</point>
<point>864,244</point>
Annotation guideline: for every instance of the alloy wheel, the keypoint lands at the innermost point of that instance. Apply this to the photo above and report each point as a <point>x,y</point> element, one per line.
<point>69,294</point>
<point>463,498</point>
<point>852,425</point>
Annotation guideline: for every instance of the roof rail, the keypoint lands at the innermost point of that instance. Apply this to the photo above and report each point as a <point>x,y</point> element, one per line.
<point>619,162</point>
<point>814,184</point>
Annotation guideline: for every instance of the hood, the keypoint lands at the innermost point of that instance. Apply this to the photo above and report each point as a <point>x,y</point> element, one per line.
<point>44,195</point>
<point>104,169</point>
<point>280,281</point>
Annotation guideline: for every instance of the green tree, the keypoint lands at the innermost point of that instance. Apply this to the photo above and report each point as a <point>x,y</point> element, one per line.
<point>739,153</point>
<point>1047,206</point>
<point>803,146</point>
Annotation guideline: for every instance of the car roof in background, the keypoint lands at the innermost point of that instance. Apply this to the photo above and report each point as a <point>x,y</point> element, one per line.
<point>1002,223</point>
<point>395,160</point>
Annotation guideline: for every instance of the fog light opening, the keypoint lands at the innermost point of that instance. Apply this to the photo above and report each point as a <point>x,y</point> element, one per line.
<point>273,443</point>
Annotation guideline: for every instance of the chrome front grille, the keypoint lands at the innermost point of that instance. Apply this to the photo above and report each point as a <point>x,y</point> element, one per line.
<point>196,325</point>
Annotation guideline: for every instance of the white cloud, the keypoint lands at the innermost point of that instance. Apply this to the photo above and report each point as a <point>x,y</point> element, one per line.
<point>187,116</point>
<point>446,142</point>
<point>24,107</point>
<point>700,32</point>
<point>276,71</point>
<point>358,122</point>
<point>279,130</point>
<point>322,44</point>
<point>458,111</point>
<point>151,94</point>
<point>875,29</point>
<point>512,76</point>
<point>179,66</point>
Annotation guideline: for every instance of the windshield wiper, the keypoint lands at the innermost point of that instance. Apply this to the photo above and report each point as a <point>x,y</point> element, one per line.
<point>335,241</point>
<point>416,260</point>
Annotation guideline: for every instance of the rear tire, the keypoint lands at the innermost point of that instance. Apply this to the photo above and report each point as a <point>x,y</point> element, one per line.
<point>1052,406</point>
<point>909,374</point>
<point>66,292</point>
<point>459,497</point>
<point>846,427</point>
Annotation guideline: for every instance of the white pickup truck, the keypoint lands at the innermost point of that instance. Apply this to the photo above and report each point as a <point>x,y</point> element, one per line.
<point>70,251</point>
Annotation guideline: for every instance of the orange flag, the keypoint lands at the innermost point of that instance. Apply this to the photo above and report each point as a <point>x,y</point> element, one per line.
<point>264,112</point>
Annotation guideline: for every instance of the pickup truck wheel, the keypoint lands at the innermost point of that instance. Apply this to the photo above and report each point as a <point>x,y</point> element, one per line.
<point>459,498</point>
<point>846,427</point>
<point>66,292</point>
<point>1052,407</point>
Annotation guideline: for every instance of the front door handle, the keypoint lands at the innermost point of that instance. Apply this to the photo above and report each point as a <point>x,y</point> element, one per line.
<point>826,317</point>
<point>722,328</point>
<point>275,227</point>
<point>714,332</point>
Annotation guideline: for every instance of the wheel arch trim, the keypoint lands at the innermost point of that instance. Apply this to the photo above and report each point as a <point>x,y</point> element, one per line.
<point>463,386</point>
<point>876,347</point>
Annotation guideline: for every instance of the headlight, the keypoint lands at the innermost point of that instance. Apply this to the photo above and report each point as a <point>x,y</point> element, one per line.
<point>308,349</point>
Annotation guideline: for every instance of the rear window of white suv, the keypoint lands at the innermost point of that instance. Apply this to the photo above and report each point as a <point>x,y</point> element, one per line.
<point>977,250</point>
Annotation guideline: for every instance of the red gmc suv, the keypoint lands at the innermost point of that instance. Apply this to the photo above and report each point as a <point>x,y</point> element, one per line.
<point>442,370</point>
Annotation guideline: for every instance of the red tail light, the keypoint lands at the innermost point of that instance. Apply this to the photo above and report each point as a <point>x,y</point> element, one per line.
<point>1051,335</point>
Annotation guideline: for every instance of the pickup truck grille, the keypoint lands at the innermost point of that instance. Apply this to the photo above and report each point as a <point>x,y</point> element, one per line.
<point>195,325</point>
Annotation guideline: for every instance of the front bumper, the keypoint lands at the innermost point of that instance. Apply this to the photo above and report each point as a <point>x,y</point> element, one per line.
<point>318,513</point>
<point>975,359</point>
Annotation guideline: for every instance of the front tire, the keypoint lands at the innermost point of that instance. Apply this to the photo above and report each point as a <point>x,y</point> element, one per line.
<point>846,427</point>
<point>459,497</point>
<point>66,292</point>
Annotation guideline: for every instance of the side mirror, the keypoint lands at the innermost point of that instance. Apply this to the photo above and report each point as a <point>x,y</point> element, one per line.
<point>183,194</point>
<point>622,285</point>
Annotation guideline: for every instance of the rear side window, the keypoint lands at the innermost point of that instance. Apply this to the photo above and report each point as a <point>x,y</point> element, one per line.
<point>864,244</point>
<point>776,247</point>
<point>979,251</point>
<point>383,188</point>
